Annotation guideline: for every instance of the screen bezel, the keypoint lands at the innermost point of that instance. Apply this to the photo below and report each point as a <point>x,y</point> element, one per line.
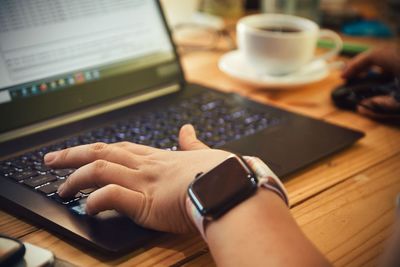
<point>28,111</point>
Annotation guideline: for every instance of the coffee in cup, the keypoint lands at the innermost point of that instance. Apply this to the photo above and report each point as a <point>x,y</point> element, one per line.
<point>276,44</point>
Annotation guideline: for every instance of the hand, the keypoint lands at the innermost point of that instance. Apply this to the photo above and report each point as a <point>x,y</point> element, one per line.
<point>388,59</point>
<point>147,184</point>
<point>385,57</point>
<point>387,103</point>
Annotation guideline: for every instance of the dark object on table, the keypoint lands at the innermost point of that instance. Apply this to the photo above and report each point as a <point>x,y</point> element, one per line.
<point>349,95</point>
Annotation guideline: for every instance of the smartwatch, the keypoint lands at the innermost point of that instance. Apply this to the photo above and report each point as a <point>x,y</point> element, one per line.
<point>215,192</point>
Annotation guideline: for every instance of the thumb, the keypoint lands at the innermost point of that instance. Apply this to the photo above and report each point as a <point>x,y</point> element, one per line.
<point>358,64</point>
<point>188,139</point>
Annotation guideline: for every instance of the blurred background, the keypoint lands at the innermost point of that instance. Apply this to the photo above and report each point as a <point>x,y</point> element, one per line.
<point>191,20</point>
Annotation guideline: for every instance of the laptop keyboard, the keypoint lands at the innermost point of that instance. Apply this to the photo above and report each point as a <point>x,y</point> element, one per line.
<point>217,120</point>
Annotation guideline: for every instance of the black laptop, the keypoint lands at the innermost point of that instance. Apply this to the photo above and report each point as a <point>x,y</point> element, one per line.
<point>78,72</point>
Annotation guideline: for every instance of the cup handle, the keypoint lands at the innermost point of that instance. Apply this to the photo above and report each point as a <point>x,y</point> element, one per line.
<point>328,34</point>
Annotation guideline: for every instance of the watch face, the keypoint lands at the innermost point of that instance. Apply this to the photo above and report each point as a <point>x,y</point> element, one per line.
<point>222,188</point>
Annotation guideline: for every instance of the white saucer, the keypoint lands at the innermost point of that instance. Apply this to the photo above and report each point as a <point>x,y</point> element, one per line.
<point>233,64</point>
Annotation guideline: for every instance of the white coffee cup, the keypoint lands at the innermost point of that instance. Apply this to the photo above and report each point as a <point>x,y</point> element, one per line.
<point>274,52</point>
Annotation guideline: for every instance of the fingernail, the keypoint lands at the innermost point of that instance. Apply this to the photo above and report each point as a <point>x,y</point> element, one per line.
<point>49,157</point>
<point>89,211</point>
<point>191,129</point>
<point>60,189</point>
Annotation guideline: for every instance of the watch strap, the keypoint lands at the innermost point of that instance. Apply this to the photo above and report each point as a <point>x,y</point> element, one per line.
<point>197,218</point>
<point>266,177</point>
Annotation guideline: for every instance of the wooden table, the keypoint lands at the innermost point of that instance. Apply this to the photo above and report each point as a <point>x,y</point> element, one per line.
<point>344,203</point>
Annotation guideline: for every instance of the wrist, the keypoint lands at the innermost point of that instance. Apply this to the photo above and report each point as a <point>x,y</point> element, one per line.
<point>257,226</point>
<point>202,199</point>
<point>263,199</point>
<point>262,206</point>
<point>265,232</point>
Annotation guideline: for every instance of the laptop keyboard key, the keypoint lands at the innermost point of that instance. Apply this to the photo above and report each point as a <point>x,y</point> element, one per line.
<point>79,207</point>
<point>42,168</point>
<point>40,180</point>
<point>6,170</point>
<point>35,158</point>
<point>19,165</point>
<point>19,176</point>
<point>62,172</point>
<point>51,187</point>
<point>7,174</point>
<point>66,201</point>
<point>87,191</point>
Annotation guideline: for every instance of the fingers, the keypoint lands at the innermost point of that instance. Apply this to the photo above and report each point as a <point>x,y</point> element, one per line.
<point>188,139</point>
<point>357,65</point>
<point>363,110</point>
<point>123,200</point>
<point>370,107</point>
<point>75,157</point>
<point>98,174</point>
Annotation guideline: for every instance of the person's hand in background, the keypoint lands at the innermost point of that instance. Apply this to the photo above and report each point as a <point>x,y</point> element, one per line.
<point>387,60</point>
<point>147,184</point>
<point>385,57</point>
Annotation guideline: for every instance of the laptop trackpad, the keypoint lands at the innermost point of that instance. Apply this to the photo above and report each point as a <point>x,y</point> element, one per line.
<point>298,143</point>
<point>259,145</point>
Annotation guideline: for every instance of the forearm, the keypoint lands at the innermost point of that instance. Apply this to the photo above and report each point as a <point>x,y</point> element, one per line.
<point>261,232</point>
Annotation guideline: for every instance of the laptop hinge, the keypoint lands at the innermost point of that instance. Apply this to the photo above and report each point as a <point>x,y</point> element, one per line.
<point>89,112</point>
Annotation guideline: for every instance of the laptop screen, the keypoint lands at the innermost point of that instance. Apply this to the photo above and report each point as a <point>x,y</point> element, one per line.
<point>61,56</point>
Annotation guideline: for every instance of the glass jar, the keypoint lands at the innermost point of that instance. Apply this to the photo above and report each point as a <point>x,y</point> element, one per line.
<point>223,8</point>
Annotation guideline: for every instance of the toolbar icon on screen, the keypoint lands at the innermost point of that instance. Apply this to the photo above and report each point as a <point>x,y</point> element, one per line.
<point>43,87</point>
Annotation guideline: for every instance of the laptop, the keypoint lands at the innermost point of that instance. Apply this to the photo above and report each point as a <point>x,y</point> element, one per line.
<point>78,72</point>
